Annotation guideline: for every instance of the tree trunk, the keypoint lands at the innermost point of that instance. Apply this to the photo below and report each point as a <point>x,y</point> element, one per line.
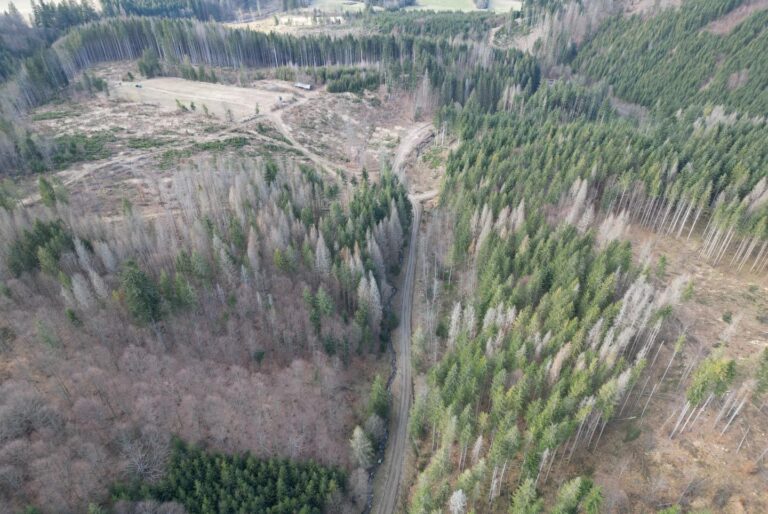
<point>747,253</point>
<point>684,220</point>
<point>735,413</point>
<point>706,403</point>
<point>759,255</point>
<point>680,208</point>
<point>698,213</point>
<point>649,399</point>
<point>726,244</point>
<point>639,395</point>
<point>680,419</point>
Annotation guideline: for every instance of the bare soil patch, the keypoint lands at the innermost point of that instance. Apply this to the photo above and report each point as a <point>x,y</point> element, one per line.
<point>525,42</point>
<point>171,122</point>
<point>422,160</point>
<point>730,21</point>
<point>738,79</point>
<point>716,290</point>
<point>628,109</point>
<point>222,100</point>
<point>649,7</point>
<point>353,132</point>
<point>150,143</point>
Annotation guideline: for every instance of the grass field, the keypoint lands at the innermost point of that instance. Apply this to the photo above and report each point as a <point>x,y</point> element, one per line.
<point>444,5</point>
<point>465,5</point>
<point>506,5</point>
<point>337,5</point>
<point>220,99</point>
<point>426,5</point>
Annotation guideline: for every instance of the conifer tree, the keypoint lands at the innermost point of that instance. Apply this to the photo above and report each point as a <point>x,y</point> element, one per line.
<point>141,295</point>
<point>378,401</point>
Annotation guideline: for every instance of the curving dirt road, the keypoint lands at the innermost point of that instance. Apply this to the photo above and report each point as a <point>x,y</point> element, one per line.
<point>391,470</point>
<point>415,137</point>
<point>394,457</point>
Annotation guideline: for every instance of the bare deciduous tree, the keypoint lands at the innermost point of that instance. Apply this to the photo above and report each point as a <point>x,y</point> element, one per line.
<point>362,451</point>
<point>145,453</point>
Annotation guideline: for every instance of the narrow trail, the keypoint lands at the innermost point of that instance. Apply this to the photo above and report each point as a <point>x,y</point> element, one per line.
<point>285,131</point>
<point>394,457</point>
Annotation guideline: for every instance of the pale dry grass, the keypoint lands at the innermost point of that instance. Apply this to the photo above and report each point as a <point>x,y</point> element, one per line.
<point>649,7</point>
<point>220,99</point>
<point>699,467</point>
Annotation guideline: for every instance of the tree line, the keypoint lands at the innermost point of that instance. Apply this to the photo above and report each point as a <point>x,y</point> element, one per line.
<point>390,4</point>
<point>55,18</point>
<point>19,40</point>
<point>200,9</point>
<point>209,482</point>
<point>703,172</point>
<point>351,80</point>
<point>213,45</point>
<point>472,26</point>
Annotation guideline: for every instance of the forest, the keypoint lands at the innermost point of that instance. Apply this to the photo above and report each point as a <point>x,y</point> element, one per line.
<point>546,341</point>
<point>556,324</point>
<point>354,80</point>
<point>676,63</point>
<point>203,352</point>
<point>240,287</point>
<point>50,20</point>
<point>200,9</point>
<point>678,176</point>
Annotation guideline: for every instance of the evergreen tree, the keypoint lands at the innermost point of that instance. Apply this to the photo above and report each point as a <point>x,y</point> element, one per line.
<point>762,373</point>
<point>149,64</point>
<point>141,295</point>
<point>525,500</point>
<point>378,401</point>
<point>47,194</point>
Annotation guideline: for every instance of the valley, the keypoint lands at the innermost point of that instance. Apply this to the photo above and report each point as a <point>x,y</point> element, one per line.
<point>387,257</point>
